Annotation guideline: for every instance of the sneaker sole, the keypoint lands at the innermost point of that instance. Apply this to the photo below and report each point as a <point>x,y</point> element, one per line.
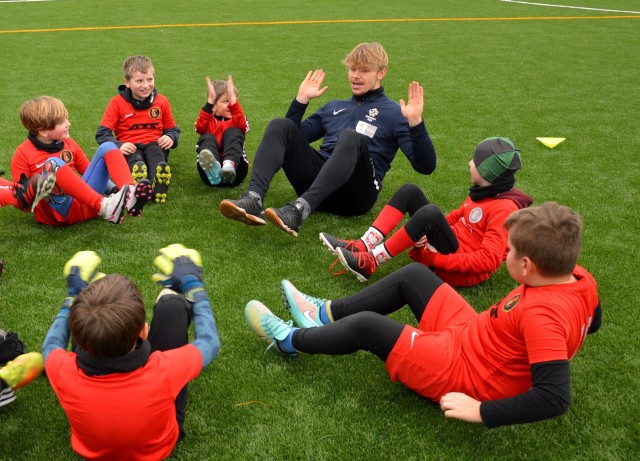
<point>139,172</point>
<point>228,177</point>
<point>327,245</point>
<point>210,167</point>
<point>44,189</point>
<point>274,219</point>
<point>161,183</point>
<point>343,261</point>
<point>231,211</point>
<point>143,193</point>
<point>289,301</point>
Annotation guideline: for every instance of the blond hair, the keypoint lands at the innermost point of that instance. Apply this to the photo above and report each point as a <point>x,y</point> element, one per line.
<point>136,64</point>
<point>550,235</point>
<point>107,317</point>
<point>42,113</point>
<point>367,54</point>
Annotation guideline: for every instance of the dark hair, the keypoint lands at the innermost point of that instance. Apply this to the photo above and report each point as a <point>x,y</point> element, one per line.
<point>107,317</point>
<point>549,234</point>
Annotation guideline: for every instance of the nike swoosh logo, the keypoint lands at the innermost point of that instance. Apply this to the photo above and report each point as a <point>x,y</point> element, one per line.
<point>40,165</point>
<point>413,336</point>
<point>307,315</point>
<point>336,112</point>
<point>129,115</point>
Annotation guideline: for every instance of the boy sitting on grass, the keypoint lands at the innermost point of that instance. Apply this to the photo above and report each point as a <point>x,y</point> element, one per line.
<point>506,365</point>
<point>463,248</point>
<point>123,386</point>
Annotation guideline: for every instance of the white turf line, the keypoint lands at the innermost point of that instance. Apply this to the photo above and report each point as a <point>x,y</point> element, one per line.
<point>572,7</point>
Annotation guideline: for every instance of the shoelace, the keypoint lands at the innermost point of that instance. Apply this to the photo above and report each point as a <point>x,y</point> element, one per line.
<point>336,273</point>
<point>274,327</point>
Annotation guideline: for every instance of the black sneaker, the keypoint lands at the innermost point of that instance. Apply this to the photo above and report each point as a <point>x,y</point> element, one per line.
<point>288,218</point>
<point>161,182</point>
<point>139,197</point>
<point>246,209</point>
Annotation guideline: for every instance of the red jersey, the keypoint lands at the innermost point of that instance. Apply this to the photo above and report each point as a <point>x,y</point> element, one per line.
<point>30,160</point>
<point>128,416</point>
<point>483,242</point>
<point>489,355</point>
<point>138,126</point>
<point>208,123</point>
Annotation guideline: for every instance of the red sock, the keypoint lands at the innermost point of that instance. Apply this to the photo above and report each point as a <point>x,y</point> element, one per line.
<point>387,219</point>
<point>118,168</point>
<point>7,197</point>
<point>74,185</point>
<point>398,242</point>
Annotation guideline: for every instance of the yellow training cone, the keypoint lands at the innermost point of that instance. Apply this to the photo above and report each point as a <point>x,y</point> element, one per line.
<point>551,142</point>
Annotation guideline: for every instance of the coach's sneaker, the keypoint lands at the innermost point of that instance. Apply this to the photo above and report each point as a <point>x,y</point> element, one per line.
<point>113,207</point>
<point>304,309</point>
<point>29,191</point>
<point>210,166</point>
<point>139,171</point>
<point>360,263</point>
<point>332,243</point>
<point>288,218</point>
<point>228,172</point>
<point>271,329</point>
<point>161,182</point>
<point>22,370</point>
<point>247,209</point>
<point>140,195</point>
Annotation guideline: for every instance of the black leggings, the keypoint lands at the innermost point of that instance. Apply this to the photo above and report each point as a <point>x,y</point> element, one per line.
<point>170,330</point>
<point>232,149</point>
<point>360,321</point>
<point>344,184</point>
<point>425,219</point>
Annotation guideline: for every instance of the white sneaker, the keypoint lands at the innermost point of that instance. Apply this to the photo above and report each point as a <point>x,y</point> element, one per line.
<point>113,207</point>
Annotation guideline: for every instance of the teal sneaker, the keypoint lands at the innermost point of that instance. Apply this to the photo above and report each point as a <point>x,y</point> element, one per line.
<point>268,327</point>
<point>304,309</point>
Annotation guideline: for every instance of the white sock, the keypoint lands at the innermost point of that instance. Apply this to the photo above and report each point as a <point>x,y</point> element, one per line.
<point>380,254</point>
<point>372,238</point>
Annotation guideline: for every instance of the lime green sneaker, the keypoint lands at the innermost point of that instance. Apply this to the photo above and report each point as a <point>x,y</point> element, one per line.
<point>269,328</point>
<point>304,309</point>
<point>22,370</point>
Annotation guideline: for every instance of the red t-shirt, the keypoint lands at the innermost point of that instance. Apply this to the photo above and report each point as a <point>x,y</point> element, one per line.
<point>138,126</point>
<point>208,123</point>
<point>489,355</point>
<point>483,242</point>
<point>128,416</point>
<point>30,160</point>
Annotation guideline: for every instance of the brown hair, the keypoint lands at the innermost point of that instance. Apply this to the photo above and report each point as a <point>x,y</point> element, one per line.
<point>221,88</point>
<point>549,234</point>
<point>42,113</point>
<point>136,64</point>
<point>367,54</point>
<point>107,317</point>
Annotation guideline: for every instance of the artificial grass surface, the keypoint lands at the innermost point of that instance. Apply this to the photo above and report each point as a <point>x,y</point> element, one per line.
<point>493,75</point>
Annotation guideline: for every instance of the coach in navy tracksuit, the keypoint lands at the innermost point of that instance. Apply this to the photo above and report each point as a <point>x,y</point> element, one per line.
<point>360,139</point>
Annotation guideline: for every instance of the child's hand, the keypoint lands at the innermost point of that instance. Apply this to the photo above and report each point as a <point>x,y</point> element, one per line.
<point>81,270</point>
<point>412,110</point>
<point>165,142</point>
<point>180,268</point>
<point>231,91</point>
<point>310,87</point>
<point>211,91</point>
<point>461,406</point>
<point>128,148</point>
<point>422,242</point>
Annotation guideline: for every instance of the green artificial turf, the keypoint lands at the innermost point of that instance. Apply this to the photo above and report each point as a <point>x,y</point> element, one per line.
<point>489,68</point>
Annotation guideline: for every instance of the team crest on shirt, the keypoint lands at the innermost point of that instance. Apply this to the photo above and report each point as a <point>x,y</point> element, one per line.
<point>511,303</point>
<point>66,155</point>
<point>154,112</point>
<point>373,113</point>
<point>475,215</point>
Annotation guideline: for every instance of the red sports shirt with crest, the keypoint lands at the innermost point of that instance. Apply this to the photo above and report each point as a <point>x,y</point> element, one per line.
<point>138,126</point>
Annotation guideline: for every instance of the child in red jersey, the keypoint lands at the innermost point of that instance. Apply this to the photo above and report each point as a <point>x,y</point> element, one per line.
<point>465,247</point>
<point>49,149</point>
<point>140,122</point>
<point>506,365</point>
<point>123,385</point>
<point>222,127</point>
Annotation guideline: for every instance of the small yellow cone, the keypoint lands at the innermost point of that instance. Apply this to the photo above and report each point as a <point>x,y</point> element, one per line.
<point>551,142</point>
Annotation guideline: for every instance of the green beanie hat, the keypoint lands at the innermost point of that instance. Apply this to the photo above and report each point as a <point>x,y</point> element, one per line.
<point>497,158</point>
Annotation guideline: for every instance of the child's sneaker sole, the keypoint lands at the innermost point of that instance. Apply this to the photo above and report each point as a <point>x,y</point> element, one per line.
<point>161,183</point>
<point>210,166</point>
<point>140,196</point>
<point>139,172</point>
